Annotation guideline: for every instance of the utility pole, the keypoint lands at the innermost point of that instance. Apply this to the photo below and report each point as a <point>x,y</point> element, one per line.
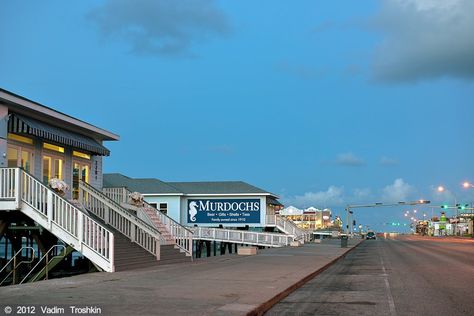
<point>378,204</point>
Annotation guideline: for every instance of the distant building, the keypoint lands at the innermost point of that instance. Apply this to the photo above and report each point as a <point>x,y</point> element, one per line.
<point>310,218</point>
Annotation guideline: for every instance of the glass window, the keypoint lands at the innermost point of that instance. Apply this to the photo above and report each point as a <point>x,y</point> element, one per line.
<point>12,156</point>
<point>21,139</point>
<point>155,205</point>
<point>81,155</point>
<point>164,208</point>
<point>52,147</point>
<point>46,169</point>
<point>26,160</point>
<point>80,171</point>
<point>53,167</point>
<point>58,168</point>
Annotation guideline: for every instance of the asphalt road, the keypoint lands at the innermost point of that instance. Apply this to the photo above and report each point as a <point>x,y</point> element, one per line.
<point>408,275</point>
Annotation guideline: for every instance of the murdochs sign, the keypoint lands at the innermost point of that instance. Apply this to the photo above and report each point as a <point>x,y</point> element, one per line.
<point>224,211</point>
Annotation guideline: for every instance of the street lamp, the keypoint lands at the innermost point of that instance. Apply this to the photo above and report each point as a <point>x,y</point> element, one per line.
<point>440,188</point>
<point>467,185</point>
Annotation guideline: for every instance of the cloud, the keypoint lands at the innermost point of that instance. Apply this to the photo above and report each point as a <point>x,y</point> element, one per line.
<point>398,191</point>
<point>386,161</point>
<point>424,39</point>
<point>349,159</point>
<point>362,195</point>
<point>332,196</point>
<point>160,27</point>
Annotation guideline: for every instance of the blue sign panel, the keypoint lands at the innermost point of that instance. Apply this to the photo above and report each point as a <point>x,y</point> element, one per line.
<point>223,211</point>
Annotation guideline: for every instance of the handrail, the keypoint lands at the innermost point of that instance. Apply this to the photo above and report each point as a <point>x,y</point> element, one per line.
<point>243,236</point>
<point>182,235</point>
<point>65,220</point>
<point>290,227</point>
<point>42,257</point>
<point>148,205</point>
<point>59,216</point>
<point>122,210</point>
<point>14,261</point>
<point>138,231</point>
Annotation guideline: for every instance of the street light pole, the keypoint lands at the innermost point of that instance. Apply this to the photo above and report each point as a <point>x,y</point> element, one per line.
<point>378,204</point>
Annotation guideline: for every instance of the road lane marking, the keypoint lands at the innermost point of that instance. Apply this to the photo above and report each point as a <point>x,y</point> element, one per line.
<point>391,302</point>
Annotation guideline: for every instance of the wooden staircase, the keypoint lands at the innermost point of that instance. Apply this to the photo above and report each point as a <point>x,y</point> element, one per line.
<point>152,215</point>
<point>130,256</point>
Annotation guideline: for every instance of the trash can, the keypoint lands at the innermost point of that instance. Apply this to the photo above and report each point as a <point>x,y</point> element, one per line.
<point>343,241</point>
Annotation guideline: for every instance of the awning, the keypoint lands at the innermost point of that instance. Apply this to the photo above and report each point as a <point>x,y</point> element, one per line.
<point>272,201</point>
<point>24,125</point>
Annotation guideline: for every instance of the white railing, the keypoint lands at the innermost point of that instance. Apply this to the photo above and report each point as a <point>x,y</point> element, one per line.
<point>61,218</point>
<point>119,195</point>
<point>182,236</point>
<point>111,213</point>
<point>9,177</point>
<point>287,226</point>
<point>241,236</point>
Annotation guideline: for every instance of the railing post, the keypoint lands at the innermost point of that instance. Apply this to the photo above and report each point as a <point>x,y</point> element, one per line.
<point>112,252</point>
<point>49,208</point>
<point>18,187</point>
<point>158,249</point>
<point>106,214</point>
<point>124,195</point>
<point>132,232</point>
<point>80,229</point>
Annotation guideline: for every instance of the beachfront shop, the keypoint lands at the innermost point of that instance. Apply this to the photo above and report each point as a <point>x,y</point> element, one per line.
<point>210,204</point>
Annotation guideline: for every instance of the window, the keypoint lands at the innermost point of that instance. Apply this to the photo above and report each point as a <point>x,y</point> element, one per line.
<point>53,167</point>
<point>52,147</point>
<point>21,139</point>
<point>18,156</point>
<point>155,205</point>
<point>163,208</point>
<point>81,155</point>
<point>80,172</point>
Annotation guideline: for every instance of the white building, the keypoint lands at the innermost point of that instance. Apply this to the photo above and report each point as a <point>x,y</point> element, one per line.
<point>212,204</point>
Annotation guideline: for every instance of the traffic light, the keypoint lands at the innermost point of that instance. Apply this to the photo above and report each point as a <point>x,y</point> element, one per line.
<point>462,206</point>
<point>444,206</point>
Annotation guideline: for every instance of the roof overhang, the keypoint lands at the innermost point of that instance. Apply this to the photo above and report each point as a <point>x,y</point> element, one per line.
<point>27,107</point>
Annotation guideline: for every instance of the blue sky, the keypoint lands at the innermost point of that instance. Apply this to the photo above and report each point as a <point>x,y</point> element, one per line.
<point>321,102</point>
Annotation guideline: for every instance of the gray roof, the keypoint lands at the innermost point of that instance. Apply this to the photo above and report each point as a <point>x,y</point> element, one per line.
<point>145,186</point>
<point>150,186</point>
<point>217,187</point>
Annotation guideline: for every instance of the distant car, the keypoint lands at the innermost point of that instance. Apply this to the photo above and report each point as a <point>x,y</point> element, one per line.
<point>370,235</point>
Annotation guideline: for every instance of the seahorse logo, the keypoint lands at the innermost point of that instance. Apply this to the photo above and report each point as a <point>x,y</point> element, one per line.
<point>192,211</point>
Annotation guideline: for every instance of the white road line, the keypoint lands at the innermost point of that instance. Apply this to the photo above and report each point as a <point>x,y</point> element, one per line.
<point>391,303</point>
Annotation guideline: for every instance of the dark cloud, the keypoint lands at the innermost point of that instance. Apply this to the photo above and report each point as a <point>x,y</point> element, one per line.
<point>424,39</point>
<point>161,27</point>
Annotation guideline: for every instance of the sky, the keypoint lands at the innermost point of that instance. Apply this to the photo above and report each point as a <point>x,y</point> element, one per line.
<point>324,103</point>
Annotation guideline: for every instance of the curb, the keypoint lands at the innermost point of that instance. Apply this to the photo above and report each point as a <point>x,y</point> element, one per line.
<point>264,307</point>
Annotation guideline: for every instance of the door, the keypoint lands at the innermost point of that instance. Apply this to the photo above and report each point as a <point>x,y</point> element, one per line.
<point>53,167</point>
<point>80,172</point>
<point>18,156</point>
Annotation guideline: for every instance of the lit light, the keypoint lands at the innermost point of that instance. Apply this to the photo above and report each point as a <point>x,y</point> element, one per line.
<point>467,185</point>
<point>414,211</point>
<point>406,214</point>
<point>440,188</point>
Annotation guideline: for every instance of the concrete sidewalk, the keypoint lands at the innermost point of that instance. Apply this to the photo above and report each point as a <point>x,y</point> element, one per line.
<point>225,285</point>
